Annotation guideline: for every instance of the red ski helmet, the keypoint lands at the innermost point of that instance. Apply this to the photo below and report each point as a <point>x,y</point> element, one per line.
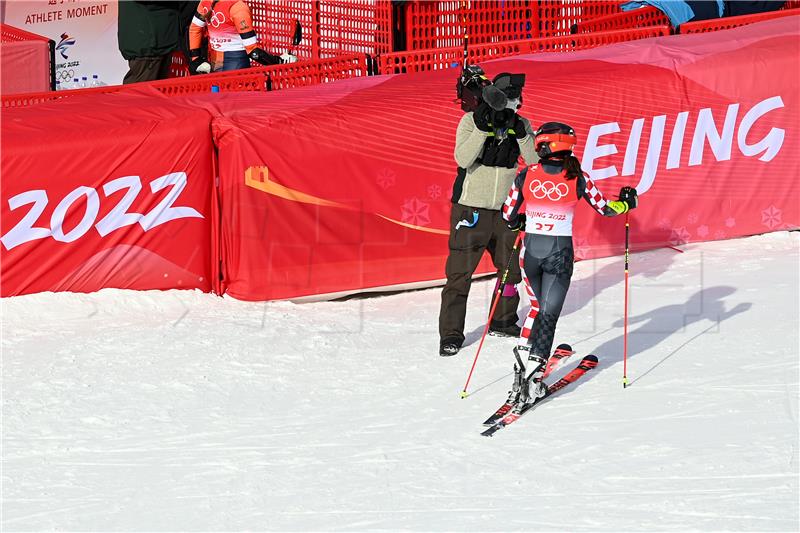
<point>554,139</point>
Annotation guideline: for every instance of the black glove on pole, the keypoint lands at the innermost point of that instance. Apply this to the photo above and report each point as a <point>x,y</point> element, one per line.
<point>265,58</point>
<point>518,224</point>
<point>629,196</point>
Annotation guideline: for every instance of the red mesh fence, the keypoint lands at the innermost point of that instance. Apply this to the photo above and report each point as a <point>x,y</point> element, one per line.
<point>330,27</point>
<point>10,34</point>
<point>443,24</point>
<point>637,18</point>
<point>255,79</point>
<point>442,58</point>
<point>556,17</point>
<point>733,22</point>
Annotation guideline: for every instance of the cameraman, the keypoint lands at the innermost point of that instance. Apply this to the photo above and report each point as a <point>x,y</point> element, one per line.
<point>489,142</point>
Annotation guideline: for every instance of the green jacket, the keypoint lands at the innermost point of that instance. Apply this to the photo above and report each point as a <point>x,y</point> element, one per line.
<point>148,29</point>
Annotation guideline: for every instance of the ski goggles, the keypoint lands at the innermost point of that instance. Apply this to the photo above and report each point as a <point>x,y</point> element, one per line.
<point>466,223</point>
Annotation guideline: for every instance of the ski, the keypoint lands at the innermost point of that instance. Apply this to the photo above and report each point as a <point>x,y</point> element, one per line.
<point>559,357</point>
<point>503,410</point>
<point>561,353</point>
<point>586,364</point>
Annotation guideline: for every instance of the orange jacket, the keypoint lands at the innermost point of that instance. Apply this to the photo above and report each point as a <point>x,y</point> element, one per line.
<point>230,28</point>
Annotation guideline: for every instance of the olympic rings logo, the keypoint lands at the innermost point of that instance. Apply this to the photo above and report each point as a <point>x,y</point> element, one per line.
<point>217,18</point>
<point>65,75</point>
<point>549,190</point>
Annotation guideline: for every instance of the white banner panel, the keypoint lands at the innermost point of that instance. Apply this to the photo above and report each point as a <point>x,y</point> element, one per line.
<point>85,32</point>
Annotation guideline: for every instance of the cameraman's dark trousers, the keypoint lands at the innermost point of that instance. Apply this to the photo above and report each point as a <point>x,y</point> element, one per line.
<point>467,245</point>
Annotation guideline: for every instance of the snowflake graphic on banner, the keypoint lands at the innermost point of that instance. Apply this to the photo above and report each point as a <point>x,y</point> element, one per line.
<point>582,248</point>
<point>730,222</point>
<point>664,223</point>
<point>719,234</point>
<point>434,191</point>
<point>386,178</point>
<point>414,211</point>
<point>679,236</point>
<point>702,232</point>
<point>693,218</point>
<point>771,217</point>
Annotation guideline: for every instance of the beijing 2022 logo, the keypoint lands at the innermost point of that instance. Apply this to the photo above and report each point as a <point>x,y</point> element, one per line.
<point>65,42</point>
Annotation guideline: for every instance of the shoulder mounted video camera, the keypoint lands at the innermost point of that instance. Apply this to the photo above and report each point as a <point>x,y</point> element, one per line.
<point>473,88</point>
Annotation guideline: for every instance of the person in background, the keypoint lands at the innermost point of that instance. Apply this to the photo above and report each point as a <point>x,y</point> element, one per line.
<point>489,142</point>
<point>232,41</point>
<point>147,34</point>
<point>541,202</point>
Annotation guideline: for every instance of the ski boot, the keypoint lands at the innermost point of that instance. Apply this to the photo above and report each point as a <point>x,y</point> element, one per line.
<point>532,388</point>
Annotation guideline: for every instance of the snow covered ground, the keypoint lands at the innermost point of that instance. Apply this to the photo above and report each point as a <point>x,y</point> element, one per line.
<point>184,411</point>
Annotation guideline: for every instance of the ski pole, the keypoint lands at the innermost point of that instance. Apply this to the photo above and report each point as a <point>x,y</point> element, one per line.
<point>625,320</point>
<point>499,292</point>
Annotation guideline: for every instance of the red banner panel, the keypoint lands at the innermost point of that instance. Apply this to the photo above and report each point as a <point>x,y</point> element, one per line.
<point>347,186</point>
<point>106,191</point>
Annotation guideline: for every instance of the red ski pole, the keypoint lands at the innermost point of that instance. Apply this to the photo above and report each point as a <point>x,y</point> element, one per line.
<point>625,327</point>
<point>499,292</point>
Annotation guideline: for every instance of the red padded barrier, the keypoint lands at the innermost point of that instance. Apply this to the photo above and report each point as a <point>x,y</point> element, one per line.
<point>727,23</point>
<point>637,18</point>
<point>442,58</point>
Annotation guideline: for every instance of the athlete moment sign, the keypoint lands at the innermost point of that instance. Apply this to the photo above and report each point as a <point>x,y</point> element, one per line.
<point>85,33</point>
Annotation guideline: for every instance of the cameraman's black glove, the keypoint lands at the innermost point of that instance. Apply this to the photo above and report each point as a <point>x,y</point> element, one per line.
<point>503,119</point>
<point>265,58</point>
<point>629,196</point>
<point>483,117</point>
<point>519,125</point>
<point>517,224</point>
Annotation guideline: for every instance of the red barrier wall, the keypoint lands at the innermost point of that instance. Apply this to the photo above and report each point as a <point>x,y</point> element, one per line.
<point>370,207</point>
<point>107,191</point>
<point>346,186</point>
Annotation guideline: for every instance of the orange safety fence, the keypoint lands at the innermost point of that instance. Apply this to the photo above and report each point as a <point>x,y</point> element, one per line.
<point>254,79</point>
<point>443,58</point>
<point>636,18</point>
<point>732,22</point>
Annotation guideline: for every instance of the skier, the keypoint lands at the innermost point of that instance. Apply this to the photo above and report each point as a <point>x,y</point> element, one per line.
<point>232,40</point>
<point>541,203</point>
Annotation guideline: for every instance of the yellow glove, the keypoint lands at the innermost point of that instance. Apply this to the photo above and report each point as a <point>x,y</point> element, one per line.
<point>619,207</point>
